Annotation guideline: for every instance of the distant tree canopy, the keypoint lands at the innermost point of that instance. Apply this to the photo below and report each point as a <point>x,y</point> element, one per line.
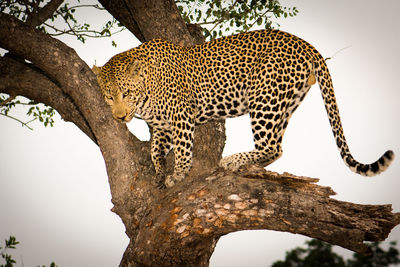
<point>11,243</point>
<point>320,254</point>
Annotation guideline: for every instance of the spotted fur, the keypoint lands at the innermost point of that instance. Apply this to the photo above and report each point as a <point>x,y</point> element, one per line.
<point>264,73</point>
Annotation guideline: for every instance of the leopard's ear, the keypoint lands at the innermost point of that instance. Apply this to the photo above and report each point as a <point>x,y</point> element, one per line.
<point>96,70</point>
<point>133,69</point>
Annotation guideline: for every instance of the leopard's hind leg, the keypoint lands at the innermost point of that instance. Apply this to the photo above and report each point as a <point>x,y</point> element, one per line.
<point>267,131</point>
<point>272,99</point>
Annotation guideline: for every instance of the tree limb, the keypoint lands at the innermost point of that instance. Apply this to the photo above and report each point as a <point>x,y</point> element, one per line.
<point>124,16</point>
<point>19,78</point>
<point>148,19</point>
<point>123,153</point>
<point>40,15</point>
<point>60,64</point>
<point>204,208</point>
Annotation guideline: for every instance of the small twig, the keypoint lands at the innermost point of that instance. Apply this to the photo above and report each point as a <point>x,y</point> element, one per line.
<point>337,52</point>
<point>25,3</point>
<point>22,123</point>
<point>262,15</point>
<point>8,100</point>
<point>90,6</point>
<point>94,34</point>
<point>28,104</point>
<point>191,9</point>
<point>222,19</point>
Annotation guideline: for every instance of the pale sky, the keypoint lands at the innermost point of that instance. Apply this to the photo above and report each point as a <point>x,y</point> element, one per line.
<point>54,192</point>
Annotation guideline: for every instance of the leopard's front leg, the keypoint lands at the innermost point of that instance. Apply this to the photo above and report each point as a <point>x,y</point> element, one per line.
<point>161,141</point>
<point>182,138</point>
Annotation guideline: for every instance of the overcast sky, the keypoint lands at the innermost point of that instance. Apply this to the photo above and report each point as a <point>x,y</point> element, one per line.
<point>54,193</point>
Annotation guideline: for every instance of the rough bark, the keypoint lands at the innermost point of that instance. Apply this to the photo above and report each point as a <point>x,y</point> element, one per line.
<point>161,19</point>
<point>20,78</point>
<point>150,19</point>
<point>62,66</point>
<point>40,15</point>
<point>192,216</point>
<point>180,225</point>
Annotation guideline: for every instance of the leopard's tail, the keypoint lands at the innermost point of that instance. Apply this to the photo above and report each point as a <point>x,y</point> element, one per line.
<point>325,82</point>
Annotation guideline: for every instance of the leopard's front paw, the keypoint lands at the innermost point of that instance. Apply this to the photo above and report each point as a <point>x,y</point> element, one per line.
<point>158,181</point>
<point>160,185</point>
<point>173,179</point>
<point>229,163</point>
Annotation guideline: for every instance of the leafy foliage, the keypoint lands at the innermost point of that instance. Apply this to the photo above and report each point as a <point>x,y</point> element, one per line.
<point>63,21</point>
<point>218,17</point>
<point>380,257</point>
<point>11,244</point>
<point>319,253</point>
<point>36,112</point>
<point>73,27</point>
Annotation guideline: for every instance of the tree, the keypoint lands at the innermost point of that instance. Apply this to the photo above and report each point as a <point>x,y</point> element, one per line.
<point>181,224</point>
<point>319,253</point>
<point>11,244</point>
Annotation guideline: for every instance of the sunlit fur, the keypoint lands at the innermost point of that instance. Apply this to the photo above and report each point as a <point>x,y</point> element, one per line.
<point>264,73</point>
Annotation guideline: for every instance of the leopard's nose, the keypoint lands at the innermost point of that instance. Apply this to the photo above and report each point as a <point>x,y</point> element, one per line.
<point>120,115</point>
<point>121,118</point>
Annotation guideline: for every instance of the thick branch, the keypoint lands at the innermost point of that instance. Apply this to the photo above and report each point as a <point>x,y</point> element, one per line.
<point>203,209</point>
<point>59,62</point>
<point>151,19</point>
<point>17,78</point>
<point>161,19</point>
<point>120,10</point>
<point>40,15</point>
<point>61,65</point>
<point>123,153</point>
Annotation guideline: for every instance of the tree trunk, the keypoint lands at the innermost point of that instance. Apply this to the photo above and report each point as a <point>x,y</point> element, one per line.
<point>179,225</point>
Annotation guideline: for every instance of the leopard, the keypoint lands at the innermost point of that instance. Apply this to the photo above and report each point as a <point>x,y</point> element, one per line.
<point>263,73</point>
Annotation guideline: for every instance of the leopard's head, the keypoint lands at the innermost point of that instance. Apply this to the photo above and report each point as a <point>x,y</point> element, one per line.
<point>122,83</point>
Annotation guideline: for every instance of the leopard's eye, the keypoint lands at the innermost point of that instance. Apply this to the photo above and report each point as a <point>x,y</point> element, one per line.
<point>126,93</point>
<point>108,98</point>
